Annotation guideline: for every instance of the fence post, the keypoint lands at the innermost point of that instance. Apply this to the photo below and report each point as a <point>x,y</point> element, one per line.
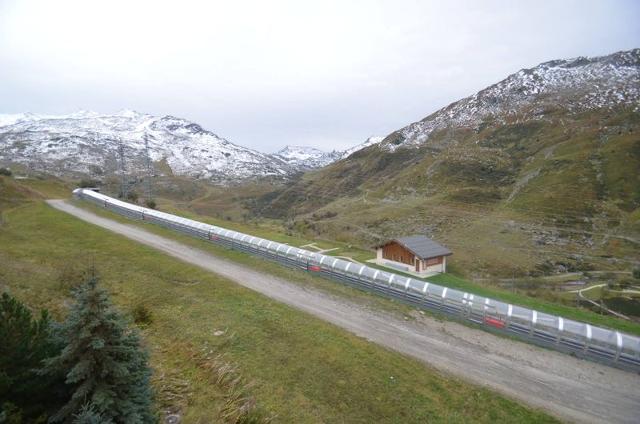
<point>618,346</point>
<point>560,329</point>
<point>534,319</point>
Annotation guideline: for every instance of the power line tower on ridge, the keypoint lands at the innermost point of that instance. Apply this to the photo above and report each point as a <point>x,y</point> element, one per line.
<point>149,166</point>
<point>123,171</point>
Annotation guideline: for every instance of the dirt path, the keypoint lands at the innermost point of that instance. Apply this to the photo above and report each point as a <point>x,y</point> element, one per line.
<point>571,389</point>
<point>610,311</point>
<point>580,291</point>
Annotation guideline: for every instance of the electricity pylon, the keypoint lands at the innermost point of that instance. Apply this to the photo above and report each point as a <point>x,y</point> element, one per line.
<point>147,180</point>
<point>123,171</point>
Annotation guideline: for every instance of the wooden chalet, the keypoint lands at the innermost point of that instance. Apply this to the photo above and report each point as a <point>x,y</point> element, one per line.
<point>415,254</point>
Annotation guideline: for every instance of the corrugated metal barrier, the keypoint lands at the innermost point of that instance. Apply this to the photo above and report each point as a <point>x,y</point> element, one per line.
<point>580,339</point>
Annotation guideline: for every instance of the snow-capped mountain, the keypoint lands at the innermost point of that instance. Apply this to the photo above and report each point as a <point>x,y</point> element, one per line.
<point>368,142</point>
<point>567,87</point>
<point>305,158</point>
<point>87,143</point>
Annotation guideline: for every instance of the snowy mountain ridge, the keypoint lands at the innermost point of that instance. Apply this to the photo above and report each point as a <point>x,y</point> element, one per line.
<point>305,157</point>
<point>368,142</point>
<point>86,142</point>
<point>573,86</point>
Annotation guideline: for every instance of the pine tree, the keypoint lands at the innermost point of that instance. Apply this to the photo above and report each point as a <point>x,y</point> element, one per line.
<point>103,361</point>
<point>88,415</point>
<point>26,343</point>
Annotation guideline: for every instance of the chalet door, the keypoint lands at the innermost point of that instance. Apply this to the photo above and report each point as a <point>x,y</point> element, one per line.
<point>417,265</point>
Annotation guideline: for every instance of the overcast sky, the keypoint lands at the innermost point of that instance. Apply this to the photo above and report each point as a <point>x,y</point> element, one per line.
<point>264,74</point>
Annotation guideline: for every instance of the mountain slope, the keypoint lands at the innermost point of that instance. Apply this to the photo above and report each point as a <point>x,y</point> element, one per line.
<point>544,163</point>
<point>571,87</point>
<point>306,158</point>
<point>87,143</point>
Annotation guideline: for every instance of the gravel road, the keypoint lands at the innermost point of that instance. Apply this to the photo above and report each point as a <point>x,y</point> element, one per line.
<point>570,389</point>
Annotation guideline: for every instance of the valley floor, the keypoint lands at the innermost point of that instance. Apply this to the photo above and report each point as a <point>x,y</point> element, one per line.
<point>569,388</point>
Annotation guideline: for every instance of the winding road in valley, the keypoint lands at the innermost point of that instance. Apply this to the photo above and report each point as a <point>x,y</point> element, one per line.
<point>570,389</point>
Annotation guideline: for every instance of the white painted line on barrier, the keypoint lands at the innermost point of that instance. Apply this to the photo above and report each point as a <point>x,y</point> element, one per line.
<point>375,274</point>
<point>361,269</point>
<point>287,252</point>
<point>588,332</point>
<point>322,260</point>
<point>334,263</point>
<point>618,340</point>
<point>619,344</point>
<point>509,310</point>
<point>348,266</point>
<point>534,317</point>
<point>560,324</point>
<point>444,292</point>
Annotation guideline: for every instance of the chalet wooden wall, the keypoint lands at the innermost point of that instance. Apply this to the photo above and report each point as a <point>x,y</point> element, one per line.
<point>433,261</point>
<point>395,252</point>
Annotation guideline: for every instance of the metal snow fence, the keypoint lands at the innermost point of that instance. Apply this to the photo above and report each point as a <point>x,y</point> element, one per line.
<point>581,339</point>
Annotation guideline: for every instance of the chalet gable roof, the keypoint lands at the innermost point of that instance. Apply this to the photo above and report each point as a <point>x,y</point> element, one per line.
<point>421,246</point>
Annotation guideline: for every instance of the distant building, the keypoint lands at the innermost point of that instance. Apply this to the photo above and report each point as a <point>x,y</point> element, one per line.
<point>416,254</point>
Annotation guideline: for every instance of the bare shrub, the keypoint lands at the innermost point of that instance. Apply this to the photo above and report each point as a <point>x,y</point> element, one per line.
<point>70,276</point>
<point>240,407</point>
<point>142,315</point>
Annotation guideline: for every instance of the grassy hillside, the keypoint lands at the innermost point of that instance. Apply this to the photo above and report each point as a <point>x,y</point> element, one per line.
<point>514,199</point>
<point>300,369</point>
<point>562,304</point>
<point>16,192</point>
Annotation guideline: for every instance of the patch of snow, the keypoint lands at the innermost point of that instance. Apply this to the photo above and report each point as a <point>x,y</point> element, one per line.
<point>369,142</point>
<point>304,157</point>
<point>10,119</point>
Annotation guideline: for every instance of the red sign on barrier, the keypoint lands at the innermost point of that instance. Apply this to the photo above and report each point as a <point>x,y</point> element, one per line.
<point>494,322</point>
<point>314,268</point>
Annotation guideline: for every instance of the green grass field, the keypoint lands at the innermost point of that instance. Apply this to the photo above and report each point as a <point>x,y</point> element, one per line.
<point>300,369</point>
<point>449,280</point>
